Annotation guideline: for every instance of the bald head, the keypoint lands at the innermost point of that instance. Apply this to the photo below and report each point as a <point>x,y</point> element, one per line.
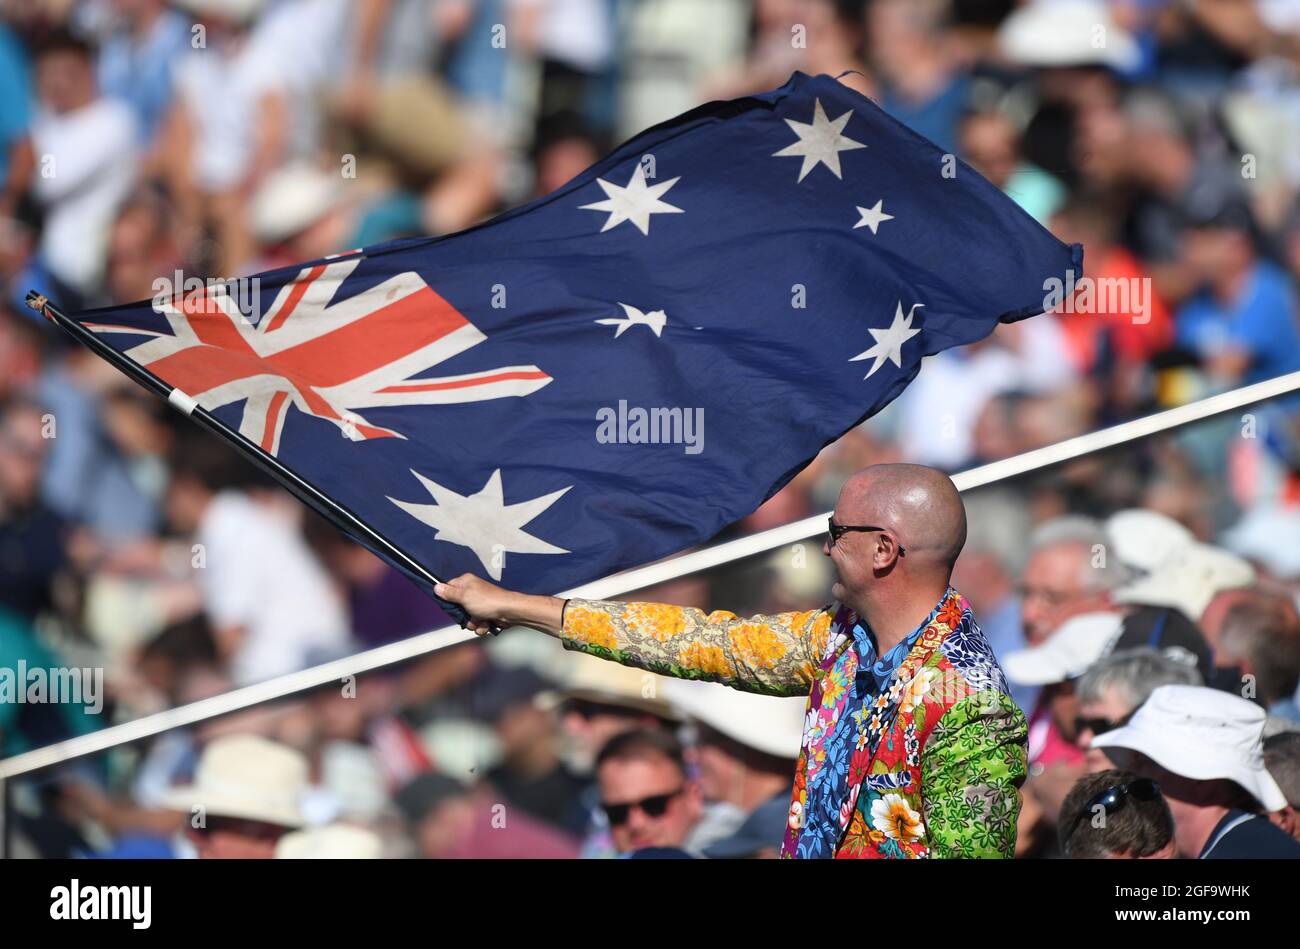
<point>920,505</point>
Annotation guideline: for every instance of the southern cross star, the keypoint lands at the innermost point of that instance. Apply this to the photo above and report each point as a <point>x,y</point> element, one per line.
<point>889,342</point>
<point>634,203</point>
<point>483,522</point>
<point>873,217</point>
<point>655,319</point>
<point>820,142</point>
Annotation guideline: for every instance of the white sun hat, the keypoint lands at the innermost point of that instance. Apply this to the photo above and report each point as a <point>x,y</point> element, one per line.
<point>1202,734</point>
<point>1145,539</point>
<point>238,11</point>
<point>1189,579</point>
<point>332,842</point>
<point>292,199</point>
<point>1067,33</point>
<point>246,776</point>
<point>765,723</point>
<point>1077,643</point>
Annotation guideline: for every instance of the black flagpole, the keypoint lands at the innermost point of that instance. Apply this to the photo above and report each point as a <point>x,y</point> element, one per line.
<point>304,491</point>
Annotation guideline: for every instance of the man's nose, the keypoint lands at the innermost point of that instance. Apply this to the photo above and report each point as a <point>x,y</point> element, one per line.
<point>826,546</point>
<point>637,819</point>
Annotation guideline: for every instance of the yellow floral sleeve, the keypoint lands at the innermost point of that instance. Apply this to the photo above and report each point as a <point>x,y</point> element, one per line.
<point>771,655</point>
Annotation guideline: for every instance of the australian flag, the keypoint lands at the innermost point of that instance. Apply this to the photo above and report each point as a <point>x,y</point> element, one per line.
<point>620,369</point>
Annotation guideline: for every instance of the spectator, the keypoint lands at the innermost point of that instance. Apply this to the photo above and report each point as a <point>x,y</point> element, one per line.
<point>273,611</point>
<point>1067,573</point>
<point>531,773</point>
<point>744,749</point>
<point>1261,643</point>
<point>334,842</point>
<point>32,536</point>
<point>1203,747</point>
<point>137,59</point>
<point>246,795</point>
<point>1242,322</point>
<point>991,142</point>
<point>450,821</point>
<point>87,163</point>
<point>1115,686</point>
<point>227,128</point>
<point>1282,758</point>
<point>645,792</point>
<point>1055,764</point>
<point>1116,815</point>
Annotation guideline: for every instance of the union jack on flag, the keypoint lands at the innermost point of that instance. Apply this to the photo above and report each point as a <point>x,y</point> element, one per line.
<point>325,359</point>
<point>776,266</point>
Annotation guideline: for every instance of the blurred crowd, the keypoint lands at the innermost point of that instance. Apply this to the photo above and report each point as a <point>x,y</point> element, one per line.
<point>142,139</point>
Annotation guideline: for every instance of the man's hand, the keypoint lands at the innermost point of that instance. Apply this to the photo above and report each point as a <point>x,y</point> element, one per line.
<point>492,608</point>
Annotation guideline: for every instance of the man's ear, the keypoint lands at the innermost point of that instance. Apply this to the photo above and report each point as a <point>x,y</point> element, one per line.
<point>1285,820</point>
<point>885,551</point>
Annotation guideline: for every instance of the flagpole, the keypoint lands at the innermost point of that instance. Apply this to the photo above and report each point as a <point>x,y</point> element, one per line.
<point>337,514</point>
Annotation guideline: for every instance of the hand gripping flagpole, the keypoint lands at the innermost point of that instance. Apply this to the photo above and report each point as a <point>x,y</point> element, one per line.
<point>616,585</point>
<point>337,514</point>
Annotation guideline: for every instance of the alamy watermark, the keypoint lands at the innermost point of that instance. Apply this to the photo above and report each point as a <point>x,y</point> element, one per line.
<point>1101,295</point>
<point>654,426</point>
<point>52,685</point>
<point>242,295</point>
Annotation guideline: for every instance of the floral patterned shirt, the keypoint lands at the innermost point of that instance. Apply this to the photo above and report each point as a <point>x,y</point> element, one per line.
<point>921,756</point>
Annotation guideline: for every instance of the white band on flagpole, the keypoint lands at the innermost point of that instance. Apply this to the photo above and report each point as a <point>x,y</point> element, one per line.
<point>627,582</point>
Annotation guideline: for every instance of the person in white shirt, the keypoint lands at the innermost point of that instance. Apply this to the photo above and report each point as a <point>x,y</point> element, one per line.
<point>271,604</point>
<point>229,127</point>
<point>86,162</point>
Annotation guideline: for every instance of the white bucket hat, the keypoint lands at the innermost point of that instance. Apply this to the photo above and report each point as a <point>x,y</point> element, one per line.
<point>1067,33</point>
<point>1145,539</point>
<point>1202,734</point>
<point>246,776</point>
<point>332,842</point>
<point>1189,579</point>
<point>1077,644</point>
<point>771,725</point>
<point>607,683</point>
<point>292,199</point>
<point>239,11</point>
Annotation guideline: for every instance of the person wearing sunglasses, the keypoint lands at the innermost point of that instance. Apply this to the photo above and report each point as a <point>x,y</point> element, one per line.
<point>1115,686</point>
<point>645,792</point>
<point>1116,815</point>
<point>894,657</point>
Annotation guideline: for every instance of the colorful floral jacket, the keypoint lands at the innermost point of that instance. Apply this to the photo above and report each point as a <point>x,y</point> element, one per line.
<point>935,757</point>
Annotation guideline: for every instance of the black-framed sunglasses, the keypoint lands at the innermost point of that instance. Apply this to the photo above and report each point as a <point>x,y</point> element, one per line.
<point>1099,726</point>
<point>837,531</point>
<point>1113,798</point>
<point>655,806</point>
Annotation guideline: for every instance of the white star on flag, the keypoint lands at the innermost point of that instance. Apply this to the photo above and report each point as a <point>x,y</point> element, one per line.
<point>655,319</point>
<point>889,342</point>
<point>873,217</point>
<point>819,141</point>
<point>634,203</point>
<point>483,522</point>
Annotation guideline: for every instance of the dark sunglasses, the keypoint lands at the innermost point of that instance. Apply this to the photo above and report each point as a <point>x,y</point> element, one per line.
<point>655,806</point>
<point>1113,798</point>
<point>837,531</point>
<point>1099,726</point>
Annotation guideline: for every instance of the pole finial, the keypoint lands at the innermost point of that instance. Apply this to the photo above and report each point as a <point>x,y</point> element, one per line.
<point>37,301</point>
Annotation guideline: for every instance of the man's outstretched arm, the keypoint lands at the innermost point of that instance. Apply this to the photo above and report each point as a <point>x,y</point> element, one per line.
<point>774,655</point>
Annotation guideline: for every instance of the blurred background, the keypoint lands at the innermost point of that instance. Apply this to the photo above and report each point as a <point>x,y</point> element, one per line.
<point>142,139</point>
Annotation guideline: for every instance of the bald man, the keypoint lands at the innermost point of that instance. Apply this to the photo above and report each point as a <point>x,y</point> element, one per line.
<point>912,746</point>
